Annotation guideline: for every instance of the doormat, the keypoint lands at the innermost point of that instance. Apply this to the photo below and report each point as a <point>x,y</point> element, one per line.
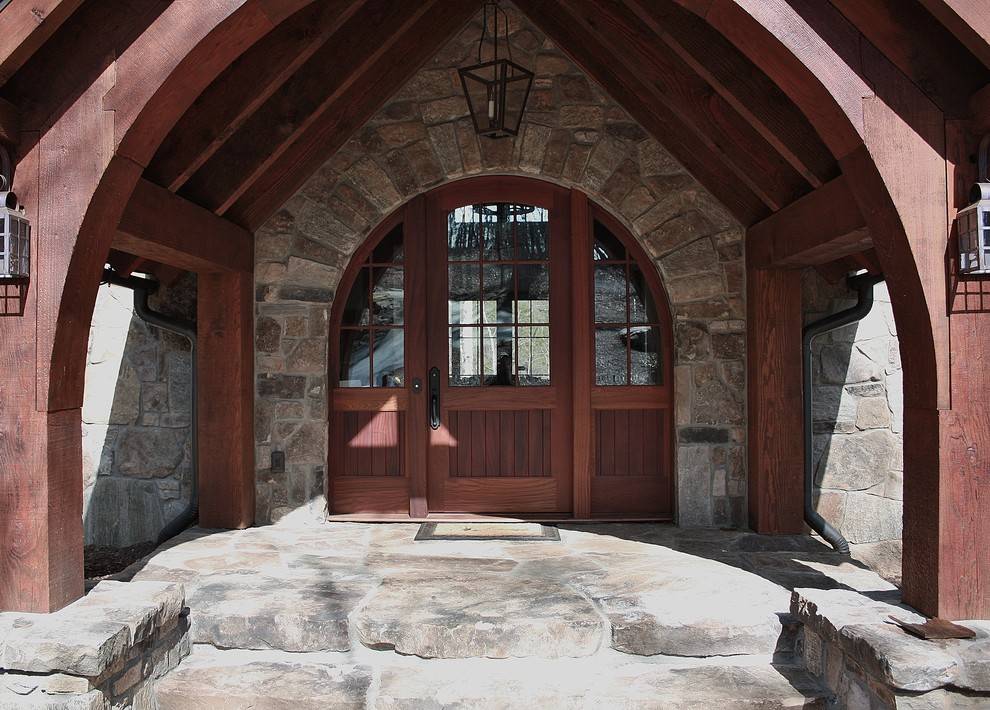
<point>487,531</point>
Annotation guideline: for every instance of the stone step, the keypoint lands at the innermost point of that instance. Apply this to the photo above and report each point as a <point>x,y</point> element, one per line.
<point>418,684</point>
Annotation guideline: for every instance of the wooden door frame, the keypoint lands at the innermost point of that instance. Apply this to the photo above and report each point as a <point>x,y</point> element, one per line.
<point>581,214</point>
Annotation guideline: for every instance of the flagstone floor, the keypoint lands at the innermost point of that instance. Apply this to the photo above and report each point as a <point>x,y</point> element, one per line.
<point>612,615</point>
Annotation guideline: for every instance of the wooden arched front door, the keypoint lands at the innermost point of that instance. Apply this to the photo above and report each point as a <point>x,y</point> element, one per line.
<point>500,345</point>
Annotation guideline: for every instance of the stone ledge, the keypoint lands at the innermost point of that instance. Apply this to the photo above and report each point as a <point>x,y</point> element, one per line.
<point>91,635</point>
<point>858,627</point>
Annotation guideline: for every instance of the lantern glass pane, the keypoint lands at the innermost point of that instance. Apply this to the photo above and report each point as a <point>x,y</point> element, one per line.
<point>479,88</point>
<point>516,90</point>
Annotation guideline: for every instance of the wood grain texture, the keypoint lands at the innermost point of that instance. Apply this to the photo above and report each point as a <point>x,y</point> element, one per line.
<point>340,64</point>
<point>243,88</point>
<point>26,27</point>
<point>582,333</point>
<point>166,228</point>
<point>748,90</point>
<point>368,443</point>
<point>350,495</point>
<point>819,227</point>
<point>629,90</point>
<point>690,100</point>
<point>773,352</point>
<point>225,362</point>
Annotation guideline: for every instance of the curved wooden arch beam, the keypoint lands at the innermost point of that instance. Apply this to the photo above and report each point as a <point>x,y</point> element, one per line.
<point>890,140</point>
<point>80,157</point>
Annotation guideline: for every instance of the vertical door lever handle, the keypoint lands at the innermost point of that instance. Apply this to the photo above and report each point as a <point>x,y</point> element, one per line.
<point>435,398</point>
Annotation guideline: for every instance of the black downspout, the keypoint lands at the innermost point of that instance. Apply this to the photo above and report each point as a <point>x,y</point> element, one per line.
<point>143,288</point>
<point>863,285</point>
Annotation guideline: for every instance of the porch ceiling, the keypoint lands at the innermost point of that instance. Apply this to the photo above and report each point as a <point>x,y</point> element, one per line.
<point>292,100</point>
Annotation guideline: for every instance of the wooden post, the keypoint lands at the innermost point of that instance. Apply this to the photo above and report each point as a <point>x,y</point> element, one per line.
<point>582,365</point>
<point>225,346</point>
<point>775,413</point>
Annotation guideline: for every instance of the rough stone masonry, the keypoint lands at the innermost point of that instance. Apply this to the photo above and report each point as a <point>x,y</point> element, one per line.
<point>573,134</point>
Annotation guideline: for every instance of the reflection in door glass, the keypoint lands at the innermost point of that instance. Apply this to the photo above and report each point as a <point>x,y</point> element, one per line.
<point>498,279</point>
<point>371,330</point>
<point>627,332</point>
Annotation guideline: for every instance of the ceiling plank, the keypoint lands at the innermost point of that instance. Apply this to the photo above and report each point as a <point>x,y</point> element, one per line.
<point>343,61</point>
<point>920,47</point>
<point>820,227</point>
<point>968,20</point>
<point>688,97</point>
<point>378,82</point>
<point>744,87</point>
<point>243,88</point>
<point>26,26</point>
<point>166,228</point>
<point>626,88</point>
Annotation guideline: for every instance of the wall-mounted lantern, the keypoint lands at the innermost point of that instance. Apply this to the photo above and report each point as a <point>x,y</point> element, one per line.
<point>973,222</point>
<point>15,239</point>
<point>496,88</point>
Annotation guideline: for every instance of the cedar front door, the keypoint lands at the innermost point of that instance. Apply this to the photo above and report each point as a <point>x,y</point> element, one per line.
<point>496,348</point>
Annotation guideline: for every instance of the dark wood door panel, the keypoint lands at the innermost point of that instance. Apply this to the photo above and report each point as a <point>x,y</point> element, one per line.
<point>503,444</point>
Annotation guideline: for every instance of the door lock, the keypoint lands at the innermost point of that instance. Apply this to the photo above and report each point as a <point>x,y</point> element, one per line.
<point>417,385</point>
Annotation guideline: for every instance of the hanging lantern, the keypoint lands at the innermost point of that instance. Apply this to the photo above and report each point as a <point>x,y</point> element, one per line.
<point>15,239</point>
<point>496,88</point>
<point>973,221</point>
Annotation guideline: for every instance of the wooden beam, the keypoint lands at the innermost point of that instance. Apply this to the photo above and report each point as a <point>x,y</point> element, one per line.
<point>242,89</point>
<point>225,398</point>
<point>920,47</point>
<point>163,227</point>
<point>773,354</point>
<point>341,118</point>
<point>10,123</point>
<point>26,26</point>
<point>968,20</point>
<point>676,89</point>
<point>582,318</point>
<point>630,92</point>
<point>979,111</point>
<point>343,62</point>
<point>818,228</point>
<point>743,87</point>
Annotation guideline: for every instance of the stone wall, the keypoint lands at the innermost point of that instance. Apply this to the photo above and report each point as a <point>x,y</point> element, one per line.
<point>858,422</point>
<point>573,134</point>
<point>137,440</point>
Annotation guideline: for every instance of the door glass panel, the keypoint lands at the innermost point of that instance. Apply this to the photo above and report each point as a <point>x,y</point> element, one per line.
<point>498,294</point>
<point>356,310</point>
<point>465,356</point>
<point>610,356</point>
<point>642,309</point>
<point>534,293</point>
<point>498,277</point>
<point>387,295</point>
<point>388,362</point>
<point>355,358</point>
<point>627,320</point>
<point>463,235</point>
<point>464,283</point>
<point>644,365</point>
<point>371,336</point>
<point>610,293</point>
<point>534,355</point>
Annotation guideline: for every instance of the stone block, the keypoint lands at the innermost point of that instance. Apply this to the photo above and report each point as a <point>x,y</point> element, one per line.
<point>145,452</point>
<point>144,606</point>
<point>857,462</point>
<point>872,413</point>
<point>282,386</point>
<point>693,258</point>
<point>69,641</point>
<point>694,475</point>
<point>870,518</point>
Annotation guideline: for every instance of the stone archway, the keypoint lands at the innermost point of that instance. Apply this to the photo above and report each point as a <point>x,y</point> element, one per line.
<point>573,134</point>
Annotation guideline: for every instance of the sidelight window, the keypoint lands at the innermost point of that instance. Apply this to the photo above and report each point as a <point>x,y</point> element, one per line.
<point>627,321</point>
<point>372,338</point>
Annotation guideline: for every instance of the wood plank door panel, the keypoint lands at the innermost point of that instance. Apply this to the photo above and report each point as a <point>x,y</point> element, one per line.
<point>504,440</point>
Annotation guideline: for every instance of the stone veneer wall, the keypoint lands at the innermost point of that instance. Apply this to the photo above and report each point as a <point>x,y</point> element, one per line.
<point>137,457</point>
<point>573,134</point>
<point>858,415</point>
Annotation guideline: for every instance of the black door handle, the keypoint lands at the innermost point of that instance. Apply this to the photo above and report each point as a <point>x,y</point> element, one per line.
<point>435,398</point>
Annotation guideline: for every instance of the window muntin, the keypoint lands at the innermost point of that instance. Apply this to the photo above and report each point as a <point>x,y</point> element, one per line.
<point>372,337</point>
<point>628,336</point>
<point>498,301</point>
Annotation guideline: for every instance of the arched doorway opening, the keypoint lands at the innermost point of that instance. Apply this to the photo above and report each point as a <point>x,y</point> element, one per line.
<point>501,346</point>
